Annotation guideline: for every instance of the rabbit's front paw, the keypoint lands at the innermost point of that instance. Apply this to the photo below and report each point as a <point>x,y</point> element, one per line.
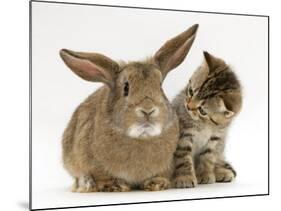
<point>185,181</point>
<point>206,178</point>
<point>114,185</point>
<point>84,184</point>
<point>156,184</point>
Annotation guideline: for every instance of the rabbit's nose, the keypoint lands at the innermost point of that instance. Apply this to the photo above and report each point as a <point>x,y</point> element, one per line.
<point>147,113</point>
<point>142,112</point>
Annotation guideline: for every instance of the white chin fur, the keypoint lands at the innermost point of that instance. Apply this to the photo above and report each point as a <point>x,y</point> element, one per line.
<point>144,130</point>
<point>195,117</point>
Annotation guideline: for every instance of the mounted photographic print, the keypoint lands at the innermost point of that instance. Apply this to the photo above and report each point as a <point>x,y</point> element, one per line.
<point>140,105</point>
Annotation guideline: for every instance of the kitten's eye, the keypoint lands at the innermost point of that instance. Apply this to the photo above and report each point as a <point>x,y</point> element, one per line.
<point>126,88</point>
<point>190,91</point>
<point>202,112</point>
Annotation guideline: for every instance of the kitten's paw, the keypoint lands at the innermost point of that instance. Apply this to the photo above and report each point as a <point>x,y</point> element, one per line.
<point>186,181</point>
<point>84,184</point>
<point>156,184</point>
<point>115,185</point>
<point>224,175</point>
<point>206,178</point>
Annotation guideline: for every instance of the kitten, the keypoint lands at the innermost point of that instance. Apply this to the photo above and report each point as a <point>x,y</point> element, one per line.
<point>205,108</point>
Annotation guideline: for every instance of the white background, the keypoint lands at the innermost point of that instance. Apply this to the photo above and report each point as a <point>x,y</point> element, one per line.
<point>132,34</point>
<point>14,86</point>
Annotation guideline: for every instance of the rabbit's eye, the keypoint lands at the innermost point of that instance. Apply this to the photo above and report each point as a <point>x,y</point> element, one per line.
<point>202,112</point>
<point>126,89</point>
<point>190,91</point>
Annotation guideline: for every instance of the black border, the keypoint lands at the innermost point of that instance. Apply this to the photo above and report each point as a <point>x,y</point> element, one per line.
<point>147,8</point>
<point>30,105</point>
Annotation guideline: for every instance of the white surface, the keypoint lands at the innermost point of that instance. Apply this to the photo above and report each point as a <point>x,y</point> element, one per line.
<point>62,197</point>
<point>132,34</point>
<point>14,106</point>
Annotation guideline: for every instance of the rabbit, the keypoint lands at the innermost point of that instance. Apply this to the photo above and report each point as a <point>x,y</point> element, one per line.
<point>123,136</point>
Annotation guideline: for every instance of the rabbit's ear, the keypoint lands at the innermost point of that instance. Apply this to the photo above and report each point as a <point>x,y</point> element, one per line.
<point>173,52</point>
<point>91,66</point>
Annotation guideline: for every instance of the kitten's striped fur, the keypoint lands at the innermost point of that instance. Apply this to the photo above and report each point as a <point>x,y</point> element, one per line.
<point>205,109</point>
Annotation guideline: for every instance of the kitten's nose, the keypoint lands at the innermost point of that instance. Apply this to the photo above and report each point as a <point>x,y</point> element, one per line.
<point>190,105</point>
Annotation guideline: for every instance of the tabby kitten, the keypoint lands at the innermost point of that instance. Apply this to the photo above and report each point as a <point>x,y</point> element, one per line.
<point>205,109</point>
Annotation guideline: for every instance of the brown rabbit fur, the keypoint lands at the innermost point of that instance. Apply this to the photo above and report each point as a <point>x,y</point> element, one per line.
<point>123,136</point>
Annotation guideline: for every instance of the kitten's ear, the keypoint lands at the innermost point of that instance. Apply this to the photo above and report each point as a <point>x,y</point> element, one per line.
<point>173,52</point>
<point>213,63</point>
<point>226,112</point>
<point>91,66</point>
